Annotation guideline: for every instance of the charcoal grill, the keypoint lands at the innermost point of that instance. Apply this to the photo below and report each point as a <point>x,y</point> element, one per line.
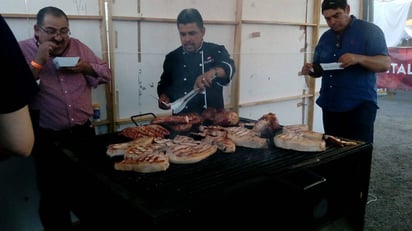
<point>224,188</point>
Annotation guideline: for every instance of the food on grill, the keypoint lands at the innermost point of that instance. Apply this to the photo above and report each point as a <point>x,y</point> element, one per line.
<point>217,135</point>
<point>144,158</point>
<point>153,130</point>
<point>180,127</point>
<point>144,163</point>
<point>224,144</point>
<point>186,150</point>
<point>226,118</point>
<point>299,138</point>
<point>181,139</point>
<point>194,118</point>
<point>212,130</point>
<point>299,143</point>
<point>157,156</point>
<point>220,117</point>
<point>151,151</point>
<point>173,119</point>
<point>340,142</point>
<point>267,125</point>
<point>120,148</point>
<point>209,114</point>
<point>245,137</point>
<point>295,128</point>
<point>179,123</point>
<point>190,152</point>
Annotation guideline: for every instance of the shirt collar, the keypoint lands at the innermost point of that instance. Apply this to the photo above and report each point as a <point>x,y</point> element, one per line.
<point>197,51</point>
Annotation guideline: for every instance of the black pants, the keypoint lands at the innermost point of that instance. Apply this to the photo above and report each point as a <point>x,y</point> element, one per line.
<point>357,124</point>
<point>52,174</point>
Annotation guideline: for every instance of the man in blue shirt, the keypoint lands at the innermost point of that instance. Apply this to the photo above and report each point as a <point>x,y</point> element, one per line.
<point>348,96</point>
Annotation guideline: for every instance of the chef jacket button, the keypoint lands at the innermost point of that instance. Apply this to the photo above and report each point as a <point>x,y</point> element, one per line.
<point>330,86</point>
<point>184,79</point>
<point>184,65</point>
<point>331,76</point>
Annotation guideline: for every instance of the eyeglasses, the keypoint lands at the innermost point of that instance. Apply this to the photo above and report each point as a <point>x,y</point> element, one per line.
<point>53,31</point>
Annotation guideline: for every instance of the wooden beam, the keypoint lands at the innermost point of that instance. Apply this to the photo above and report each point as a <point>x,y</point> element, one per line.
<point>107,46</point>
<point>33,16</point>
<point>235,85</point>
<point>275,100</point>
<point>310,80</point>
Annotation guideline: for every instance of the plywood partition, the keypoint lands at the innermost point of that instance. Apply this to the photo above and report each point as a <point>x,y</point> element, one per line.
<point>272,40</point>
<point>269,41</point>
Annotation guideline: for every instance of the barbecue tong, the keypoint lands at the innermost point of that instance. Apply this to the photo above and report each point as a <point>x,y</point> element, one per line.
<point>179,104</point>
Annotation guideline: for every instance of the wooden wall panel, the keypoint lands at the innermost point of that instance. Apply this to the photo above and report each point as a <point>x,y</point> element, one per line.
<point>278,10</point>
<point>221,10</point>
<point>270,39</point>
<point>70,7</point>
<point>288,112</point>
<point>271,70</point>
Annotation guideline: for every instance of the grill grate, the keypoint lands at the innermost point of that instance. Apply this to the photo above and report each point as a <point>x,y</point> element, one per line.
<point>163,195</point>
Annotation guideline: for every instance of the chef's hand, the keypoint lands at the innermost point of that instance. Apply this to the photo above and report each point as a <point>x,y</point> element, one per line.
<point>205,80</point>
<point>164,102</point>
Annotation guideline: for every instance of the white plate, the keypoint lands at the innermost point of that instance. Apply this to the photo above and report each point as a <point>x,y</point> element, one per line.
<point>65,61</point>
<point>331,66</point>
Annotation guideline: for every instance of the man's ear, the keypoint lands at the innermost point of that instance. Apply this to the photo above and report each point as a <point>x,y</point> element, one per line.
<point>347,9</point>
<point>36,30</point>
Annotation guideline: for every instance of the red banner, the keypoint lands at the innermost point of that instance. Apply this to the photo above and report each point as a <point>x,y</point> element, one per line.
<point>399,75</point>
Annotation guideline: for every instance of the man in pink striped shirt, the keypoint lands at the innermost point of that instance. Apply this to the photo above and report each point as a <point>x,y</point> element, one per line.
<point>63,106</point>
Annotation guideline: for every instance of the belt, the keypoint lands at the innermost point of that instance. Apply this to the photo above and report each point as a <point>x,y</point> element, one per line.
<point>47,139</point>
<point>77,129</point>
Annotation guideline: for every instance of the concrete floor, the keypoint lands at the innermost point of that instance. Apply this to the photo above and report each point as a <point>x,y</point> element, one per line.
<point>18,196</point>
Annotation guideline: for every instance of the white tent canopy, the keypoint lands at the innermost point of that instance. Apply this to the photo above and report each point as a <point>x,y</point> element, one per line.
<point>391,17</point>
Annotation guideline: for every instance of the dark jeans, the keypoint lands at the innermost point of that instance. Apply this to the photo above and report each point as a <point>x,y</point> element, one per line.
<point>52,173</point>
<point>357,124</point>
